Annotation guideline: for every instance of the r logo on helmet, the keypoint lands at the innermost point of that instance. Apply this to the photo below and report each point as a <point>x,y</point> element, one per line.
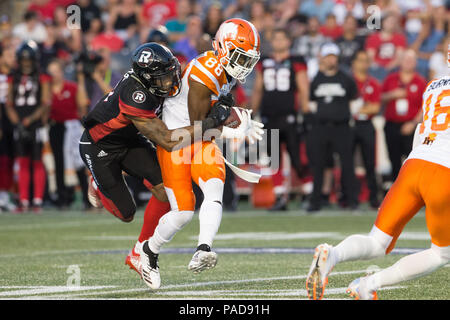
<point>145,58</point>
<point>138,97</point>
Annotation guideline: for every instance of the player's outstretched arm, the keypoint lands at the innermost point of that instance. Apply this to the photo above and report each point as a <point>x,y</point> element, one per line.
<point>156,130</point>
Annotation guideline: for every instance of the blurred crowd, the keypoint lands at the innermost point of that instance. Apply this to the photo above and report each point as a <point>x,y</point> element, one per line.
<point>401,44</point>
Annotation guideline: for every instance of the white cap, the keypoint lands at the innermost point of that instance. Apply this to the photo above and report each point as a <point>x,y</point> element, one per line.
<point>329,48</point>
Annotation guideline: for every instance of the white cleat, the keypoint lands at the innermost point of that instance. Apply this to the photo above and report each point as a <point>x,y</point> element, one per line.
<point>317,278</point>
<point>150,269</point>
<point>358,289</point>
<point>133,259</point>
<point>202,260</point>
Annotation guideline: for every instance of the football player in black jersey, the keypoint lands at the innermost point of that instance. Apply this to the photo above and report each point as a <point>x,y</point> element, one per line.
<point>281,89</point>
<point>120,127</point>
<point>27,104</point>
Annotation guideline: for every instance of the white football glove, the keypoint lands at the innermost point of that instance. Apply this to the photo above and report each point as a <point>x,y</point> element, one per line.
<point>247,128</point>
<point>240,131</point>
<point>255,130</point>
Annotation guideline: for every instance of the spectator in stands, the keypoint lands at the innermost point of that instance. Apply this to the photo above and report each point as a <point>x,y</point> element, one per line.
<point>195,40</point>
<point>344,9</point>
<point>237,9</point>
<point>367,106</point>
<point>72,38</point>
<point>319,8</point>
<point>30,29</point>
<point>387,6</point>
<point>51,47</point>
<point>258,10</point>
<point>385,47</point>
<point>330,28</point>
<point>402,93</point>
<point>124,19</point>
<point>425,42</point>
<point>68,105</point>
<point>284,11</point>
<point>90,16</point>
<point>213,19</point>
<point>44,8</point>
<point>349,43</point>
<point>177,25</point>
<point>264,21</point>
<point>297,26</point>
<point>158,12</point>
<point>309,45</point>
<point>438,61</point>
<point>100,81</point>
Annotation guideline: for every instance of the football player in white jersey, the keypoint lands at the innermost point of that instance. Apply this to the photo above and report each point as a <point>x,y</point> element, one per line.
<point>423,181</point>
<point>205,78</point>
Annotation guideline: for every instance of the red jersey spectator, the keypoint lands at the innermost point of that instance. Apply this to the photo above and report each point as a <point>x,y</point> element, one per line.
<point>402,93</point>
<point>44,8</point>
<point>157,12</point>
<point>330,28</point>
<point>363,131</point>
<point>68,105</point>
<point>385,47</point>
<point>370,92</point>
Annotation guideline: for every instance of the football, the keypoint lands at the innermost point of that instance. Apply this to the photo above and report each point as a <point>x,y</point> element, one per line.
<point>233,120</point>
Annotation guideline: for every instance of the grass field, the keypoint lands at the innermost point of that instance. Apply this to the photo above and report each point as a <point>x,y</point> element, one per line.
<point>262,255</point>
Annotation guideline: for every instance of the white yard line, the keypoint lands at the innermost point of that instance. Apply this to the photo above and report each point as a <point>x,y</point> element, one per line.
<point>192,285</point>
<point>36,290</point>
<point>64,224</point>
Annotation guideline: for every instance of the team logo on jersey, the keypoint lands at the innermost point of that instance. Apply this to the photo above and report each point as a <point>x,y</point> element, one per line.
<point>138,96</point>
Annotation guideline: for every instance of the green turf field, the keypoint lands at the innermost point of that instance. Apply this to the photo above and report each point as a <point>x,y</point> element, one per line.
<point>40,255</point>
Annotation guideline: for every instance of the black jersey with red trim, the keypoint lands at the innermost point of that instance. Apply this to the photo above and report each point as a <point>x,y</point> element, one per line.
<point>107,123</point>
<point>279,85</point>
<point>27,91</point>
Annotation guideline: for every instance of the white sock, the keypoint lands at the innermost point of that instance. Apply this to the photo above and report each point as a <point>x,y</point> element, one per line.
<point>168,225</point>
<point>410,267</point>
<point>361,247</point>
<point>210,214</point>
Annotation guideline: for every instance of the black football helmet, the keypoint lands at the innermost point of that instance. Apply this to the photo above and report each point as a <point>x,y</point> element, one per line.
<point>158,69</point>
<point>29,51</point>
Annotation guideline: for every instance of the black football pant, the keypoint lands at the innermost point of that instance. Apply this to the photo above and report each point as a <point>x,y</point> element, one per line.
<point>398,146</point>
<point>364,137</point>
<point>288,134</point>
<point>56,137</point>
<point>138,160</point>
<point>336,137</point>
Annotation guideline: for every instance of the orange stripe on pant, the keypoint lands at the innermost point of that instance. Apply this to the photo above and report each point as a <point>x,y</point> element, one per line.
<point>420,183</point>
<point>201,160</point>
